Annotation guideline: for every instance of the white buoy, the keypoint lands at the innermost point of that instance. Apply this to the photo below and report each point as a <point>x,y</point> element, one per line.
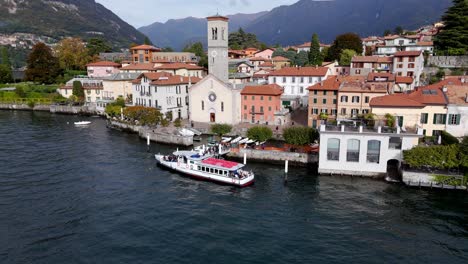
<point>245,158</point>
<point>286,166</point>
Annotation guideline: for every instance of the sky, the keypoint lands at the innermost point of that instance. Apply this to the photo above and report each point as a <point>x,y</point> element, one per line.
<point>145,12</point>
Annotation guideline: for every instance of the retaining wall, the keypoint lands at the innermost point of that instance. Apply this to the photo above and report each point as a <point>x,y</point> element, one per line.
<point>448,61</point>
<point>59,109</point>
<point>276,157</point>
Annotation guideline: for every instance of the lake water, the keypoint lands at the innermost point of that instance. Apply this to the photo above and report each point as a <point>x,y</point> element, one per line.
<point>94,195</point>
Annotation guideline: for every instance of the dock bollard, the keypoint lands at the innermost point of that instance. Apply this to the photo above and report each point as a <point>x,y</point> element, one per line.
<point>286,167</point>
<point>245,158</point>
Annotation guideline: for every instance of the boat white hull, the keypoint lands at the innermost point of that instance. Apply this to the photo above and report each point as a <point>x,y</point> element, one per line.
<point>185,169</point>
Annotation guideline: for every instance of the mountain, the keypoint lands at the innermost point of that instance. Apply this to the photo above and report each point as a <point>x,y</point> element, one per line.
<point>62,18</point>
<point>176,33</point>
<point>296,23</point>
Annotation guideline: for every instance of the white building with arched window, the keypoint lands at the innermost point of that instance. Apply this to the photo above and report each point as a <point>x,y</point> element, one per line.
<point>361,151</point>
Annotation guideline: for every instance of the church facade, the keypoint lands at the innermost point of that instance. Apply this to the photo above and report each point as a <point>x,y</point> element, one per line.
<point>214,99</point>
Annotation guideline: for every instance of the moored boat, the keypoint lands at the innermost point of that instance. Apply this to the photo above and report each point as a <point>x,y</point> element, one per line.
<point>205,167</point>
<point>82,123</point>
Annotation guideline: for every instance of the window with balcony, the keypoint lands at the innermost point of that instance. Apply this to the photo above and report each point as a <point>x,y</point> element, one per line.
<point>333,149</point>
<point>352,154</point>
<point>373,151</point>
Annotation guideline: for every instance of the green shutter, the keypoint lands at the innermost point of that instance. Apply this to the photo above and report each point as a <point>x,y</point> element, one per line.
<point>445,119</point>
<point>458,119</point>
<point>434,119</point>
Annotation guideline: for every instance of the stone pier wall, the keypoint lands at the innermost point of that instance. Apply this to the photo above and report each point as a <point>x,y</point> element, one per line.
<point>59,109</point>
<point>154,134</point>
<point>276,157</point>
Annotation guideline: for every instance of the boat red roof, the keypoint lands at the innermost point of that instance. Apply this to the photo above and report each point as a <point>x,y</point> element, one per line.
<point>220,163</point>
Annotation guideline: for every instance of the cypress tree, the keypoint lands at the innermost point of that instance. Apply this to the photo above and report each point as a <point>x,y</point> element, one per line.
<point>453,38</point>
<point>315,57</point>
<point>78,90</point>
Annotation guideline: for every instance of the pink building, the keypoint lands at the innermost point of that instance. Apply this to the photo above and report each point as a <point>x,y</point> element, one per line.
<point>267,54</point>
<point>102,69</point>
<point>260,103</point>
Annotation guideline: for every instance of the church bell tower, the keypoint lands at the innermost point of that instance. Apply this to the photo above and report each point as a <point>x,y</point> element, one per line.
<point>218,47</point>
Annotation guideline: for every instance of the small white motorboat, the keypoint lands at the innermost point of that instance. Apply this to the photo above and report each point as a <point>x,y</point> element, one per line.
<point>82,123</point>
<point>244,141</point>
<point>226,139</point>
<point>250,141</point>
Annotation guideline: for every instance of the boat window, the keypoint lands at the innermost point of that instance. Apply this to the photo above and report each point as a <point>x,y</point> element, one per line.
<point>211,170</point>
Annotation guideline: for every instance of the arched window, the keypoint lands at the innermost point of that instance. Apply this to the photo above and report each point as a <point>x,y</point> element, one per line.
<point>352,154</point>
<point>214,33</point>
<point>373,151</point>
<point>202,105</point>
<point>333,149</point>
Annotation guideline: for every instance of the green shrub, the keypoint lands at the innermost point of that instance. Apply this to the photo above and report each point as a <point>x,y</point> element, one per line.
<point>440,157</point>
<point>300,136</point>
<point>260,133</point>
<point>178,122</point>
<point>220,129</point>
<point>391,120</point>
<point>31,103</point>
<point>113,110</point>
<point>448,139</point>
<point>165,122</point>
<point>144,115</point>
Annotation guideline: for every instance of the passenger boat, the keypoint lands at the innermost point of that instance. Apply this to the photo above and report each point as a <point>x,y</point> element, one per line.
<point>204,166</point>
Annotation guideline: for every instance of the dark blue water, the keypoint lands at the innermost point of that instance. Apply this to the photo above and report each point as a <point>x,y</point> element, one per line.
<point>93,195</point>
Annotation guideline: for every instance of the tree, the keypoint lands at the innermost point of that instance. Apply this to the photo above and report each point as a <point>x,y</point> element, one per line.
<point>448,139</point>
<point>453,37</point>
<point>220,129</point>
<point>300,136</point>
<point>78,90</point>
<point>324,54</point>
<point>240,40</point>
<point>301,58</point>
<point>346,56</point>
<point>147,41</point>
<point>260,133</point>
<point>315,57</point>
<point>387,32</point>
<point>398,30</point>
<point>96,46</point>
<point>42,66</point>
<point>197,49</point>
<point>167,49</point>
<point>345,41</point>
<point>5,74</point>
<point>72,54</point>
<point>5,57</point>
<point>464,153</point>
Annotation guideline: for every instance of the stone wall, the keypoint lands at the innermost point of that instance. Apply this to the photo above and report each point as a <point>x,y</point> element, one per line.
<point>59,109</point>
<point>448,61</point>
<point>276,157</point>
<point>154,134</point>
<point>423,179</point>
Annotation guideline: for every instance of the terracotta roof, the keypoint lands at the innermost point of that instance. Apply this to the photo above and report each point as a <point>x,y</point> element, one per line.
<point>418,98</point>
<point>352,78</point>
<point>175,79</point>
<point>179,65</point>
<point>414,53</point>
<point>385,59</point>
<point>266,64</point>
<point>446,81</point>
<point>140,66</point>
<point>258,59</point>
<point>251,49</point>
<point>457,94</point>
<point>280,58</point>
<point>144,47</point>
<point>425,43</point>
<point>151,76</point>
<point>305,45</point>
<point>391,37</point>
<point>330,84</point>
<point>103,64</point>
<point>404,79</point>
<point>371,77</point>
<point>357,87</point>
<point>269,89</point>
<point>364,59</point>
<point>301,71</point>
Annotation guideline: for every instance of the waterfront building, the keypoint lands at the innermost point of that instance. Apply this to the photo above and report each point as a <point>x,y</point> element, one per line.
<point>362,151</point>
<point>118,85</point>
<point>457,109</point>
<point>410,64</point>
<point>295,81</point>
<point>425,108</point>
<point>261,104</point>
<point>143,53</point>
<point>102,69</point>
<point>213,99</point>
<point>92,89</point>
<point>182,69</point>
<point>323,98</point>
<point>354,96</point>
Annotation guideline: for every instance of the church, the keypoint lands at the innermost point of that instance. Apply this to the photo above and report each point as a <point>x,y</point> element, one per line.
<point>214,99</point>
